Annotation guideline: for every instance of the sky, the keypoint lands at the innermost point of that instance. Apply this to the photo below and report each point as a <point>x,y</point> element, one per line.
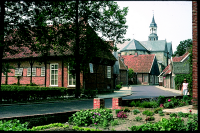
<point>173,19</point>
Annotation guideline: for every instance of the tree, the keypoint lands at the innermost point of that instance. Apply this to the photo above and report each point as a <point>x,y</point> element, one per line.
<point>181,48</point>
<point>75,24</point>
<point>130,73</point>
<point>82,18</point>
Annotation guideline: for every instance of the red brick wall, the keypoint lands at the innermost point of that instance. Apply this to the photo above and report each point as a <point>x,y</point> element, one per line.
<point>195,54</point>
<point>100,77</point>
<point>38,79</point>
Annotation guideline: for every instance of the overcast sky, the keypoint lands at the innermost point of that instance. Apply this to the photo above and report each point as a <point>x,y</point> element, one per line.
<point>173,19</point>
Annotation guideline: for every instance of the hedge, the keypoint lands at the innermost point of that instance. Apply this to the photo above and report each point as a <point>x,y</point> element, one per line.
<point>26,93</point>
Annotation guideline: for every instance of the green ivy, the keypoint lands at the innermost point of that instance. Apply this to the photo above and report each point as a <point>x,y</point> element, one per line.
<point>179,78</point>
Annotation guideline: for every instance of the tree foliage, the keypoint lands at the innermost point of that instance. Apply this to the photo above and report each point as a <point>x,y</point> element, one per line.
<point>130,73</point>
<point>75,24</point>
<point>181,48</point>
<point>179,78</point>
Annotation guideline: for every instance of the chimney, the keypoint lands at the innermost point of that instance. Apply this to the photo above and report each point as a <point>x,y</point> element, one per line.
<point>136,54</point>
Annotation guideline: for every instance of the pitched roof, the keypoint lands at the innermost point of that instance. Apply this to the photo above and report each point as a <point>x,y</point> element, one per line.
<point>174,59</point>
<point>122,65</point>
<point>134,45</point>
<point>140,63</point>
<point>25,52</point>
<point>153,23</point>
<point>180,58</point>
<point>157,45</point>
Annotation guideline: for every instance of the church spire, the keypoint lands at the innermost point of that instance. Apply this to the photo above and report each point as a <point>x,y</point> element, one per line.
<point>153,30</point>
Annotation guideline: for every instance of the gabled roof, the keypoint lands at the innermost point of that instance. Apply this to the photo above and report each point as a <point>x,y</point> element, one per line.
<point>140,63</point>
<point>157,45</point>
<point>174,59</point>
<point>25,52</point>
<point>180,58</point>
<point>134,45</point>
<point>122,66</point>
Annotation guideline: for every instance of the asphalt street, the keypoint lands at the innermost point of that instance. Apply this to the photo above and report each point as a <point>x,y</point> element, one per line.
<point>33,109</point>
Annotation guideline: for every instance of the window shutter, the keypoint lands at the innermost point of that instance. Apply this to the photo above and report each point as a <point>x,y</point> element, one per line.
<point>108,71</point>
<point>43,71</point>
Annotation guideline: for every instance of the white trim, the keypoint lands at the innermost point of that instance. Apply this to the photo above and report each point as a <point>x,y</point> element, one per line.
<point>184,58</point>
<point>42,71</point>
<point>29,71</point>
<point>18,71</point>
<point>68,78</point>
<point>54,74</point>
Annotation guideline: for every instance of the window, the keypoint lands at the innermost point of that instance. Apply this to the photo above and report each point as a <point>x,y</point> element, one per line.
<point>33,71</point>
<point>108,71</point>
<point>91,68</point>
<point>54,74</point>
<point>42,71</point>
<point>18,71</point>
<point>145,78</point>
<point>71,78</point>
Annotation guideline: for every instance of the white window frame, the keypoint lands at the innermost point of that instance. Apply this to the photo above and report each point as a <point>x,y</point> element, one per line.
<point>18,71</point>
<point>54,74</point>
<point>109,72</point>
<point>42,71</point>
<point>33,71</point>
<point>68,79</point>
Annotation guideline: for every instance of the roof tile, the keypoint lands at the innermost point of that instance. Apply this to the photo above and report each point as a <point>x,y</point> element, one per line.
<point>140,63</point>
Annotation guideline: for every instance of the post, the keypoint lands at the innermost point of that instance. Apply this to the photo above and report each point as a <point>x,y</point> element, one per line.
<point>98,103</point>
<point>116,103</point>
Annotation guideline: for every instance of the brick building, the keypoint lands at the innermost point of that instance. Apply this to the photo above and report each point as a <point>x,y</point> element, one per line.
<point>55,70</point>
<point>145,67</point>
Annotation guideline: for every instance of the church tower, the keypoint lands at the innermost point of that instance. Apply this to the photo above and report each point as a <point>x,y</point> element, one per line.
<point>153,31</point>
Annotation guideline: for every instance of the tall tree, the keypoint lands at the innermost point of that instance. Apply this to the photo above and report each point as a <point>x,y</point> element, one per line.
<point>181,48</point>
<point>75,24</point>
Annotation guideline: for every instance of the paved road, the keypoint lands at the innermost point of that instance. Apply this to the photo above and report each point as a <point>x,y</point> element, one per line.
<point>144,91</point>
<point>32,109</point>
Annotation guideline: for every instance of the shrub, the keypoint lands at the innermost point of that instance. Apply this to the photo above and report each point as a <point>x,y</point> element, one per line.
<point>13,125</point>
<point>87,117</point>
<point>173,124</point>
<point>39,128</point>
<point>173,115</point>
<point>118,110</point>
<point>121,114</point>
<point>113,123</point>
<point>148,113</point>
<point>136,111</point>
<point>138,118</point>
<point>169,104</point>
<point>151,104</point>
<point>126,110</point>
<point>156,110</point>
<point>161,100</point>
<point>136,104</point>
<point>23,93</point>
<point>181,114</point>
<point>150,118</point>
<point>118,87</point>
